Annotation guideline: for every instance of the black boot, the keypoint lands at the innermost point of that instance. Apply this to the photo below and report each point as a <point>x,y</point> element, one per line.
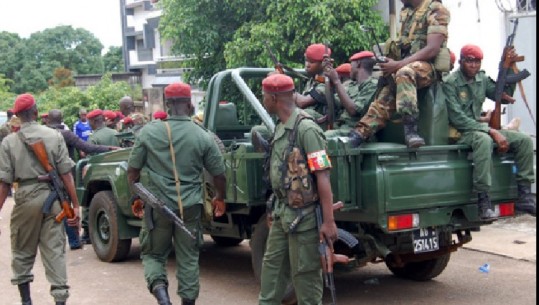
<point>412,139</point>
<point>24,290</point>
<point>355,138</point>
<point>526,200</point>
<point>188,302</point>
<point>485,207</point>
<point>259,143</point>
<point>85,238</point>
<point>160,292</point>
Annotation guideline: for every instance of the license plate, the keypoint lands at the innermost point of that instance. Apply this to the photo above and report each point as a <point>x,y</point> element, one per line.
<point>426,240</point>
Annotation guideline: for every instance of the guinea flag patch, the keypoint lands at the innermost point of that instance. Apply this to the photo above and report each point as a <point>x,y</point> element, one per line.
<point>318,160</point>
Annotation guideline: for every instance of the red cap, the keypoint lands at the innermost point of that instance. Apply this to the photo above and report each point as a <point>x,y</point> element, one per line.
<point>119,114</point>
<point>344,69</point>
<point>471,51</point>
<point>277,83</point>
<point>362,54</point>
<point>316,51</point>
<point>23,102</point>
<point>45,115</point>
<point>92,114</point>
<point>177,90</point>
<point>452,57</point>
<point>109,114</point>
<point>128,120</point>
<point>161,115</point>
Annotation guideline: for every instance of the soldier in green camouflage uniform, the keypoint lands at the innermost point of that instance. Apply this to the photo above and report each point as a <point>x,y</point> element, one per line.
<point>195,150</point>
<point>410,66</point>
<point>356,95</point>
<point>466,90</point>
<point>293,253</point>
<point>30,228</point>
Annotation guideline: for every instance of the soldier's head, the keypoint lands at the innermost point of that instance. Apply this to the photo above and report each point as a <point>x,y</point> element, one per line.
<point>25,108</point>
<point>314,55</point>
<point>470,60</point>
<point>363,60</point>
<point>45,118</point>
<point>344,71</point>
<point>178,99</point>
<point>96,118</point>
<point>82,115</point>
<point>110,118</point>
<point>127,106</point>
<point>278,92</point>
<point>160,115</point>
<point>55,117</point>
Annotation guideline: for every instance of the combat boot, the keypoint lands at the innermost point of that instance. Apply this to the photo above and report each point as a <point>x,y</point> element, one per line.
<point>485,207</point>
<point>355,138</point>
<point>188,302</point>
<point>160,292</point>
<point>526,200</point>
<point>412,139</point>
<point>85,238</point>
<point>259,143</point>
<point>24,290</point>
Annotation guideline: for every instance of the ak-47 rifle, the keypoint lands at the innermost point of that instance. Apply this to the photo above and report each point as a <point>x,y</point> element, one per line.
<point>384,80</point>
<point>503,79</point>
<point>160,206</point>
<point>279,67</point>
<point>56,184</point>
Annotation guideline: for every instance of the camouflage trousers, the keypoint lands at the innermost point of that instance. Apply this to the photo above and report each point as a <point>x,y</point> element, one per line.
<point>399,97</point>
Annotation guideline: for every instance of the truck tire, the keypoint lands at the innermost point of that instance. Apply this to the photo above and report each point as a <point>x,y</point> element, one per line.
<point>258,247</point>
<point>421,271</point>
<point>226,241</point>
<point>103,227</point>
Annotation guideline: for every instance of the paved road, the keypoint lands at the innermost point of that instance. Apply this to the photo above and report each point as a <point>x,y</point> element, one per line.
<point>227,279</point>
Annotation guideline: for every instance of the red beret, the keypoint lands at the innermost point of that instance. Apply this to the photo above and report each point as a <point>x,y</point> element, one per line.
<point>177,90</point>
<point>128,120</point>
<point>23,102</point>
<point>471,51</point>
<point>109,114</point>
<point>161,115</point>
<point>344,69</point>
<point>45,115</point>
<point>316,51</point>
<point>362,54</point>
<point>277,83</point>
<point>452,57</point>
<point>92,114</point>
<point>119,114</point>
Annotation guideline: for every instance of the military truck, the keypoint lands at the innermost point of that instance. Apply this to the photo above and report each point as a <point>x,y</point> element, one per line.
<point>409,208</point>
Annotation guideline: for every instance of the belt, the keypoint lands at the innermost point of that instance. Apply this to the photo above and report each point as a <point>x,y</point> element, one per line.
<point>300,214</point>
<point>30,181</point>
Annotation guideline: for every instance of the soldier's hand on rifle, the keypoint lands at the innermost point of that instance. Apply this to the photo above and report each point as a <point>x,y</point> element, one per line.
<point>328,232</point>
<point>219,207</point>
<point>501,141</point>
<point>390,66</point>
<point>330,73</point>
<point>485,116</point>
<point>75,221</point>
<point>509,99</point>
<point>138,208</point>
<point>511,55</point>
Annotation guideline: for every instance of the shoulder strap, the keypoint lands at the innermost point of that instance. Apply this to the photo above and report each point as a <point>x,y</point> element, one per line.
<point>419,14</point>
<point>176,178</point>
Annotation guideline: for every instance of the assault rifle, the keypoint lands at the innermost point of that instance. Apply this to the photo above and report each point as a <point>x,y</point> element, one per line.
<point>57,187</point>
<point>279,67</point>
<point>384,80</point>
<point>159,205</point>
<point>503,79</point>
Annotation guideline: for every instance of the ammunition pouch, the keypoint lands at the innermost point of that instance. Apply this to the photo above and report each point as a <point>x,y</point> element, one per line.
<point>392,49</point>
<point>442,62</point>
<point>298,182</point>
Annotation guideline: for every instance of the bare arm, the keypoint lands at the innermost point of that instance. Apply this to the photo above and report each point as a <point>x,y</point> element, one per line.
<point>304,101</point>
<point>218,202</point>
<point>346,101</point>
<point>429,52</point>
<point>133,175</point>
<point>328,229</point>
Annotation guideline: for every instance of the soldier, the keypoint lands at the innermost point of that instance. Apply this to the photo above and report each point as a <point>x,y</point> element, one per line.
<point>194,150</point>
<point>344,71</point>
<point>5,130</point>
<point>160,115</point>
<point>101,135</point>
<point>466,89</point>
<point>44,118</point>
<point>414,61</point>
<point>127,106</point>
<point>30,228</point>
<point>110,119</point>
<point>357,95</point>
<point>139,120</point>
<point>293,254</point>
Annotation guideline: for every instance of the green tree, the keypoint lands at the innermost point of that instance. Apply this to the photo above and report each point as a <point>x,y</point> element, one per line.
<point>10,54</point>
<point>6,98</point>
<point>62,77</point>
<point>113,60</point>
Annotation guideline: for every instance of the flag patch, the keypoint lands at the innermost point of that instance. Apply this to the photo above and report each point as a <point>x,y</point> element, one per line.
<point>318,160</point>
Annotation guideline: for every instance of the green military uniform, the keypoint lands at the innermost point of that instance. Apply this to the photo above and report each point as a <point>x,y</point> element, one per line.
<point>195,150</point>
<point>104,136</point>
<point>464,104</point>
<point>30,228</point>
<point>292,255</point>
<point>431,17</point>
<point>319,109</point>
<point>362,95</point>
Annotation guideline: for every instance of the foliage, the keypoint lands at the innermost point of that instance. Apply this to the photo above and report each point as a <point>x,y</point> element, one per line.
<point>223,34</point>
<point>62,77</point>
<point>113,60</point>
<point>6,98</point>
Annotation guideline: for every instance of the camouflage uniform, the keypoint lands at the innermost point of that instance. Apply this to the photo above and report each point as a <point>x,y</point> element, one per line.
<point>319,109</point>
<point>414,76</point>
<point>30,228</point>
<point>292,255</point>
<point>151,154</point>
<point>362,95</point>
<point>464,104</point>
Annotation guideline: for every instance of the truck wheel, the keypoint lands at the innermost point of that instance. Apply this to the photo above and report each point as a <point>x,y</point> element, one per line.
<point>226,241</point>
<point>421,271</point>
<point>103,227</point>
<point>258,247</point>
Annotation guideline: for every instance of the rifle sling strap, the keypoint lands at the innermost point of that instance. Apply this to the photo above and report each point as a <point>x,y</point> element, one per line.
<point>522,93</point>
<point>176,178</point>
<point>319,98</point>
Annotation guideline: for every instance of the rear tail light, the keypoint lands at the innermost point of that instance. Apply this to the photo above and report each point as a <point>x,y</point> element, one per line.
<point>505,209</point>
<point>402,222</point>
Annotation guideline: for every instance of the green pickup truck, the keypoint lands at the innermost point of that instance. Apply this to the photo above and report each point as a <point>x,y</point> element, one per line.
<point>409,208</point>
